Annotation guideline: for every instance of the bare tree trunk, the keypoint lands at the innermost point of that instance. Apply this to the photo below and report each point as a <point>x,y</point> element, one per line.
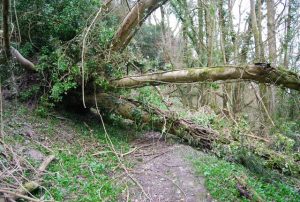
<point>272,49</point>
<point>259,26</point>
<point>5,16</point>
<point>256,28</point>
<point>223,33</point>
<point>255,31</point>
<point>264,90</point>
<point>164,37</point>
<point>200,33</point>
<point>271,31</point>
<point>209,23</point>
<point>287,36</point>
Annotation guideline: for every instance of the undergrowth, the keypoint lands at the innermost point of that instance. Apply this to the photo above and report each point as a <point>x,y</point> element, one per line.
<point>221,180</point>
<point>77,174</point>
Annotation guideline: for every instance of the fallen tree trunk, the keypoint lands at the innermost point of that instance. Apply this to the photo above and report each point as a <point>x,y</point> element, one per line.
<point>192,133</point>
<point>257,73</point>
<point>165,121</point>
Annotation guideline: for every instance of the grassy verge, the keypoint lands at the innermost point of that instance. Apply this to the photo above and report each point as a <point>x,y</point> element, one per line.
<point>76,174</point>
<point>222,178</point>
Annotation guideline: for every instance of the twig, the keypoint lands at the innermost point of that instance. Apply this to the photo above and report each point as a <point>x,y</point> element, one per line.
<point>42,145</point>
<point>84,45</point>
<point>45,164</point>
<point>262,103</point>
<point>101,152</point>
<point>18,195</point>
<point>33,185</point>
<point>257,137</point>
<point>160,154</point>
<point>244,189</point>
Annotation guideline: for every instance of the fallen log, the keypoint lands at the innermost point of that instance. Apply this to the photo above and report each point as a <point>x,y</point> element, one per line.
<point>258,73</point>
<point>167,122</point>
<point>193,134</point>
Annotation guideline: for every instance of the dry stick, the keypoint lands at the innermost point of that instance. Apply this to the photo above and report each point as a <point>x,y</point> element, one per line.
<point>262,103</point>
<point>83,53</point>
<point>18,195</point>
<point>83,48</point>
<point>116,154</point>
<point>42,145</point>
<point>254,195</point>
<point>248,135</point>
<point>33,185</point>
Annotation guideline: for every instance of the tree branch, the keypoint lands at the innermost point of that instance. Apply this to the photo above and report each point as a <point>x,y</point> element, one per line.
<point>133,21</point>
<point>258,73</point>
<point>29,66</point>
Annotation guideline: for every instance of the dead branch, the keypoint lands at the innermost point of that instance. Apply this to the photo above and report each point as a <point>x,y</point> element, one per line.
<point>29,66</point>
<point>30,186</point>
<point>18,195</point>
<point>246,191</point>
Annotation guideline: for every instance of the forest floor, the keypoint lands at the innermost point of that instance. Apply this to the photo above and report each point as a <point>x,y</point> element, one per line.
<point>86,168</point>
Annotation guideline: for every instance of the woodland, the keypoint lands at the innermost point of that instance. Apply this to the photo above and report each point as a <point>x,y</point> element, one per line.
<point>221,78</point>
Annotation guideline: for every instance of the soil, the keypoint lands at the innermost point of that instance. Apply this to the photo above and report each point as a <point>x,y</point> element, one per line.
<point>164,171</point>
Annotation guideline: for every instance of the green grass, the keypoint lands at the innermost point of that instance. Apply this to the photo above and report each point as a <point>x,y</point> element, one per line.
<point>75,175</point>
<point>221,182</point>
<point>80,176</point>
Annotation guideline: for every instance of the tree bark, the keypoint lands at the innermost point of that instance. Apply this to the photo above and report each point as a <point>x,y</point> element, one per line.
<point>10,51</point>
<point>169,122</point>
<point>133,21</point>
<point>165,121</point>
<point>255,31</point>
<point>29,66</point>
<point>209,23</point>
<point>287,36</point>
<point>259,26</point>
<point>5,24</point>
<point>272,50</point>
<point>271,31</point>
<point>276,76</point>
<point>200,33</point>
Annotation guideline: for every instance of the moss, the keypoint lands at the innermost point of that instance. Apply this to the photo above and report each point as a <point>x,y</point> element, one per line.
<point>205,73</point>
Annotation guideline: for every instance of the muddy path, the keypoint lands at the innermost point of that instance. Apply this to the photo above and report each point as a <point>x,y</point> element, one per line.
<point>164,172</point>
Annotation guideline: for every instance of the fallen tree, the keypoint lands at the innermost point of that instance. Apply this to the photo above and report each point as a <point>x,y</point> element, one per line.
<point>167,121</point>
<point>202,137</point>
<point>257,73</point>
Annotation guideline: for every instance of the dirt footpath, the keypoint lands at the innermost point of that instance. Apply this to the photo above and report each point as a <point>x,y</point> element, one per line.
<point>164,172</point>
